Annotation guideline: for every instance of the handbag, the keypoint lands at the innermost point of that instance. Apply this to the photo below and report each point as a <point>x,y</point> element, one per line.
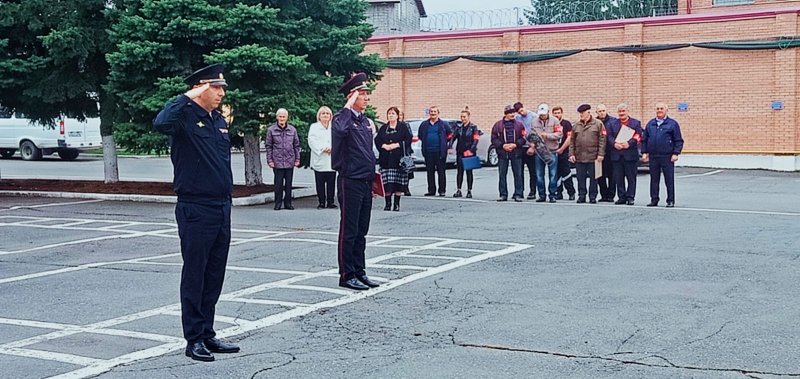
<point>471,163</point>
<point>407,161</point>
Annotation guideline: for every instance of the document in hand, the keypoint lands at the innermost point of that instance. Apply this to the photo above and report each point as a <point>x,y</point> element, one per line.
<point>377,185</point>
<point>625,134</point>
<point>598,168</point>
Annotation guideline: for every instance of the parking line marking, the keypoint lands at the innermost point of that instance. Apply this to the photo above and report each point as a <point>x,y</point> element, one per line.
<point>53,356</point>
<point>698,175</point>
<point>399,267</point>
<point>16,207</point>
<point>316,288</point>
<point>289,304</point>
<point>432,257</point>
<point>141,260</point>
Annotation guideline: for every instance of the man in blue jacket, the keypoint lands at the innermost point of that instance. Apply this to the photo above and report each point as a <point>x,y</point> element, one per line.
<point>201,155</point>
<point>435,134</point>
<point>624,154</point>
<point>661,144</point>
<point>353,158</point>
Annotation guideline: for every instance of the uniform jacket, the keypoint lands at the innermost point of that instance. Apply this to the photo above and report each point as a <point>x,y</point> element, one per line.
<point>351,154</point>
<point>662,140</point>
<point>499,139</point>
<point>631,154</point>
<point>588,140</point>
<point>552,127</point>
<point>466,137</point>
<point>445,134</point>
<point>318,139</point>
<point>283,145</point>
<point>200,149</point>
<point>386,135</point>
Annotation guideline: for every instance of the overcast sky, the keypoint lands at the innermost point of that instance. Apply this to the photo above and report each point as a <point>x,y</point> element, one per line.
<point>442,6</point>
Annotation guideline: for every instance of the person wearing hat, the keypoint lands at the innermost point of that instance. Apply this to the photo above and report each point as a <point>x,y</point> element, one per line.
<point>508,138</point>
<point>587,146</point>
<point>201,157</point>
<point>549,129</point>
<point>353,158</point>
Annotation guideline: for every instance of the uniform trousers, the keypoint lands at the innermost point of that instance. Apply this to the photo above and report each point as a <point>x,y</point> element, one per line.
<point>625,171</point>
<point>662,164</point>
<point>355,205</point>
<point>584,171</point>
<point>205,233</point>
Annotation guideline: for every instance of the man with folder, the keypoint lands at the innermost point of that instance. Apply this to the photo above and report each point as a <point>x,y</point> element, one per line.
<point>624,135</point>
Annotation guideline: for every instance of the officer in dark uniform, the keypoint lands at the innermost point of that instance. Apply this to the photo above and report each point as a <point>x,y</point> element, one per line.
<point>353,158</point>
<point>201,156</point>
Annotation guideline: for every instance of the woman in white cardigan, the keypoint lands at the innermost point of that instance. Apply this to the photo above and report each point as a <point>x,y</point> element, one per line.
<point>319,140</point>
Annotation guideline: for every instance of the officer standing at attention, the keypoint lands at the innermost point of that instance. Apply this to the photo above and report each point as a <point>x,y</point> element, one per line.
<point>201,156</point>
<point>353,158</point>
<point>662,142</point>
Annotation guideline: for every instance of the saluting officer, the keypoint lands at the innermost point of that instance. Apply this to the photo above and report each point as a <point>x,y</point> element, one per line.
<point>353,158</point>
<point>201,156</point>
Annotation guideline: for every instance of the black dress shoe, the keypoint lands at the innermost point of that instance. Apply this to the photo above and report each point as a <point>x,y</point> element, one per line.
<point>469,194</point>
<point>559,197</point>
<point>670,205</point>
<point>592,201</point>
<point>572,197</point>
<point>321,206</point>
<point>581,200</point>
<point>652,204</point>
<point>517,199</point>
<point>620,202</point>
<point>552,199</point>
<point>331,206</point>
<point>502,198</point>
<point>540,200</point>
<point>606,200</point>
<point>629,202</point>
<point>353,284</point>
<point>442,194</point>
<point>429,193</point>
<point>289,207</point>
<point>199,352</point>
<point>278,207</point>
<point>457,194</point>
<point>365,280</point>
<point>531,196</point>
<point>216,345</point>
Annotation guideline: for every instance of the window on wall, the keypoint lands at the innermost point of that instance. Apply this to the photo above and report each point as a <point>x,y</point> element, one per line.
<point>732,2</point>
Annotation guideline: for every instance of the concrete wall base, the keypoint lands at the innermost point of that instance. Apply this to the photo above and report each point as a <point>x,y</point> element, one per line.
<point>759,162</point>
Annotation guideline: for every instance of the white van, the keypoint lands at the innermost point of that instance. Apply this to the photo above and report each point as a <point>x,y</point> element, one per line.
<point>67,138</point>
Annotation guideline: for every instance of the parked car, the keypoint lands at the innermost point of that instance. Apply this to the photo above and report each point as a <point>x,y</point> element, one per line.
<point>67,137</point>
<point>486,151</point>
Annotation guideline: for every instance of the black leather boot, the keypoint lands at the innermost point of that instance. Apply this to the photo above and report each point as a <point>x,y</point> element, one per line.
<point>388,206</point>
<point>396,203</point>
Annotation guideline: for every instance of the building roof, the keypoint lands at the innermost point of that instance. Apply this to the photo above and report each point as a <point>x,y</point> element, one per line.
<point>420,6</point>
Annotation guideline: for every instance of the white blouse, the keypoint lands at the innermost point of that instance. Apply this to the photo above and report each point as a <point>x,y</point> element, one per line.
<point>319,138</point>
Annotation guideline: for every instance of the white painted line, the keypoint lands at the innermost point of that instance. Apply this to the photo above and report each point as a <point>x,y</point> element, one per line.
<point>75,223</point>
<point>79,328</point>
<point>268,270</point>
<point>399,267</point>
<point>731,211</point>
<point>76,242</point>
<point>52,356</point>
<point>289,304</point>
<point>698,175</point>
<point>141,260</point>
<point>36,324</point>
<point>316,288</point>
<point>49,205</point>
<point>134,334</point>
<point>433,257</point>
<point>385,240</point>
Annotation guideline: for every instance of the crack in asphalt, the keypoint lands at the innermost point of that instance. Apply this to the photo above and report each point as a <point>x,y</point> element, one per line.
<point>669,364</point>
<point>265,369</point>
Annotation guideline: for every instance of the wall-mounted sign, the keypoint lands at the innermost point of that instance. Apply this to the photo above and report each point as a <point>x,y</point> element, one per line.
<point>777,105</point>
<point>683,107</point>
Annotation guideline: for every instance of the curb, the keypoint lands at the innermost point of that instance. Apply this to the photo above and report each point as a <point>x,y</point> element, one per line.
<point>263,198</point>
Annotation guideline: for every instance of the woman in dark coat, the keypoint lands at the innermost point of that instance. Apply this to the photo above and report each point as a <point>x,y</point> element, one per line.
<point>393,141</point>
<point>466,137</point>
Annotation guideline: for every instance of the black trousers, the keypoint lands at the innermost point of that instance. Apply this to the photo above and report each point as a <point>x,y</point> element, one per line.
<point>326,186</point>
<point>565,175</point>
<point>460,174</point>
<point>662,164</point>
<point>355,205</point>
<point>434,165</point>
<point>606,182</point>
<point>625,171</point>
<point>205,233</point>
<point>530,162</point>
<point>584,171</point>
<point>283,185</point>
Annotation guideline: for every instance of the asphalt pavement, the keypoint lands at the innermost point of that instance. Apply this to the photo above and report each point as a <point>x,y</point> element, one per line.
<point>471,288</point>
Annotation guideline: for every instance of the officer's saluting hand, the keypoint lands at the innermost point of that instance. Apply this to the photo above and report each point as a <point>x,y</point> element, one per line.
<point>201,157</point>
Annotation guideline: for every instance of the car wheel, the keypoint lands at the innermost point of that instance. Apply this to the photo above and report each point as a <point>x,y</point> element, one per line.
<point>29,151</point>
<point>7,153</point>
<point>68,154</point>
<point>491,157</point>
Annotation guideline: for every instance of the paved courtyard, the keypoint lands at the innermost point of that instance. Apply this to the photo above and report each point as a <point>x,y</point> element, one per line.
<point>471,288</point>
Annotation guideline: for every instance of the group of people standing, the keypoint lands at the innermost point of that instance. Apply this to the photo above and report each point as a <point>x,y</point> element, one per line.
<point>605,150</point>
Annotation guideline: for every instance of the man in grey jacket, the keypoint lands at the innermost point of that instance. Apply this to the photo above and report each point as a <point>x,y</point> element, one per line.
<point>549,129</point>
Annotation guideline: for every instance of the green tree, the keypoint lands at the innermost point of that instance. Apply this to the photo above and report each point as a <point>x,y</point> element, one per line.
<point>52,63</point>
<point>563,11</point>
<point>278,54</point>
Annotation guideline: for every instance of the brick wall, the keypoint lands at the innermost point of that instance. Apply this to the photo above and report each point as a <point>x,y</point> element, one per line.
<point>729,92</point>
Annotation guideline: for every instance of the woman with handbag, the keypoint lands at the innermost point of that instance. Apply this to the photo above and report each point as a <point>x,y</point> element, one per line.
<point>393,141</point>
<point>466,138</point>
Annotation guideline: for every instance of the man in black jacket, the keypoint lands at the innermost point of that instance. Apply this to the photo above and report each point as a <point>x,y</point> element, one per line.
<point>353,158</point>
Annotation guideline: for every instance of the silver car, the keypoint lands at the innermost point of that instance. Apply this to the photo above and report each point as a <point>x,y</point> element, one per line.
<point>486,152</point>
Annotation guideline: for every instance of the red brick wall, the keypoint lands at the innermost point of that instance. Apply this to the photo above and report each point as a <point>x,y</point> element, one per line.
<point>729,92</point>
